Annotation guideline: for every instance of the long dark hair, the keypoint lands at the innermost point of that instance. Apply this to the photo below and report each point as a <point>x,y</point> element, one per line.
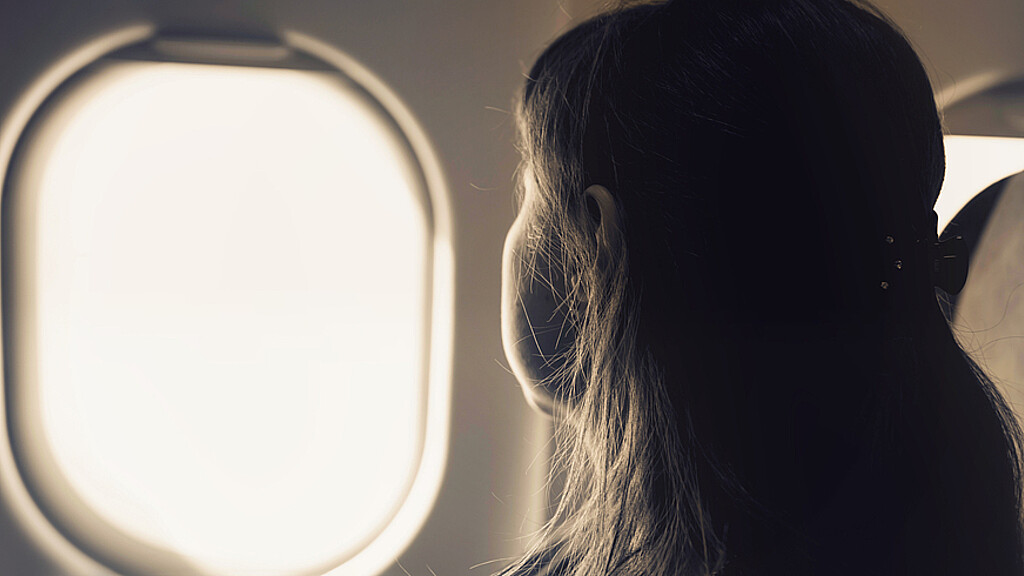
<point>762,380</point>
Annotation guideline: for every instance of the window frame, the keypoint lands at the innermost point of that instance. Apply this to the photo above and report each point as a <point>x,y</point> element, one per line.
<point>95,546</point>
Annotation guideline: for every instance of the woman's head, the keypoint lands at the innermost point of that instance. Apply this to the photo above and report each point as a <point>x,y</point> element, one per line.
<point>758,152</point>
<point>696,275</point>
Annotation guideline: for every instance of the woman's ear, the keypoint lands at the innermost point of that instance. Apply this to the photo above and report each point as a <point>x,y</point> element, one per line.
<point>604,212</point>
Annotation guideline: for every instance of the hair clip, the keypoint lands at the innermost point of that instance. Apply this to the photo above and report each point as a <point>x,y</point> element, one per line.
<point>950,263</point>
<point>897,264</point>
<point>948,259</point>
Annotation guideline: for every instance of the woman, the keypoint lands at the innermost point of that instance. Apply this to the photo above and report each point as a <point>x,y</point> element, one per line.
<point>722,282</point>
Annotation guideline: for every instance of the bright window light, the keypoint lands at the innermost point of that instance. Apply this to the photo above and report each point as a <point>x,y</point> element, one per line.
<point>221,277</point>
<point>974,163</point>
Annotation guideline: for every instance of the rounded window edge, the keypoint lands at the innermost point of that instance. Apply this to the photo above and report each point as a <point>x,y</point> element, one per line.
<point>377,555</point>
<point>412,512</point>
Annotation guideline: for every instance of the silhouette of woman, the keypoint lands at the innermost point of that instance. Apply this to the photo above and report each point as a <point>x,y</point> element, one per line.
<point>722,282</point>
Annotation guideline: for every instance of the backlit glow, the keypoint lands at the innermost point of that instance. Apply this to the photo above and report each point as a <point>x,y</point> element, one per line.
<point>227,273</point>
<point>974,163</point>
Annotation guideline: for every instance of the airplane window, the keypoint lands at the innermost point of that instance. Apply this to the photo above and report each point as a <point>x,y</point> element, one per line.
<point>988,315</point>
<point>216,307</point>
<point>973,163</point>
